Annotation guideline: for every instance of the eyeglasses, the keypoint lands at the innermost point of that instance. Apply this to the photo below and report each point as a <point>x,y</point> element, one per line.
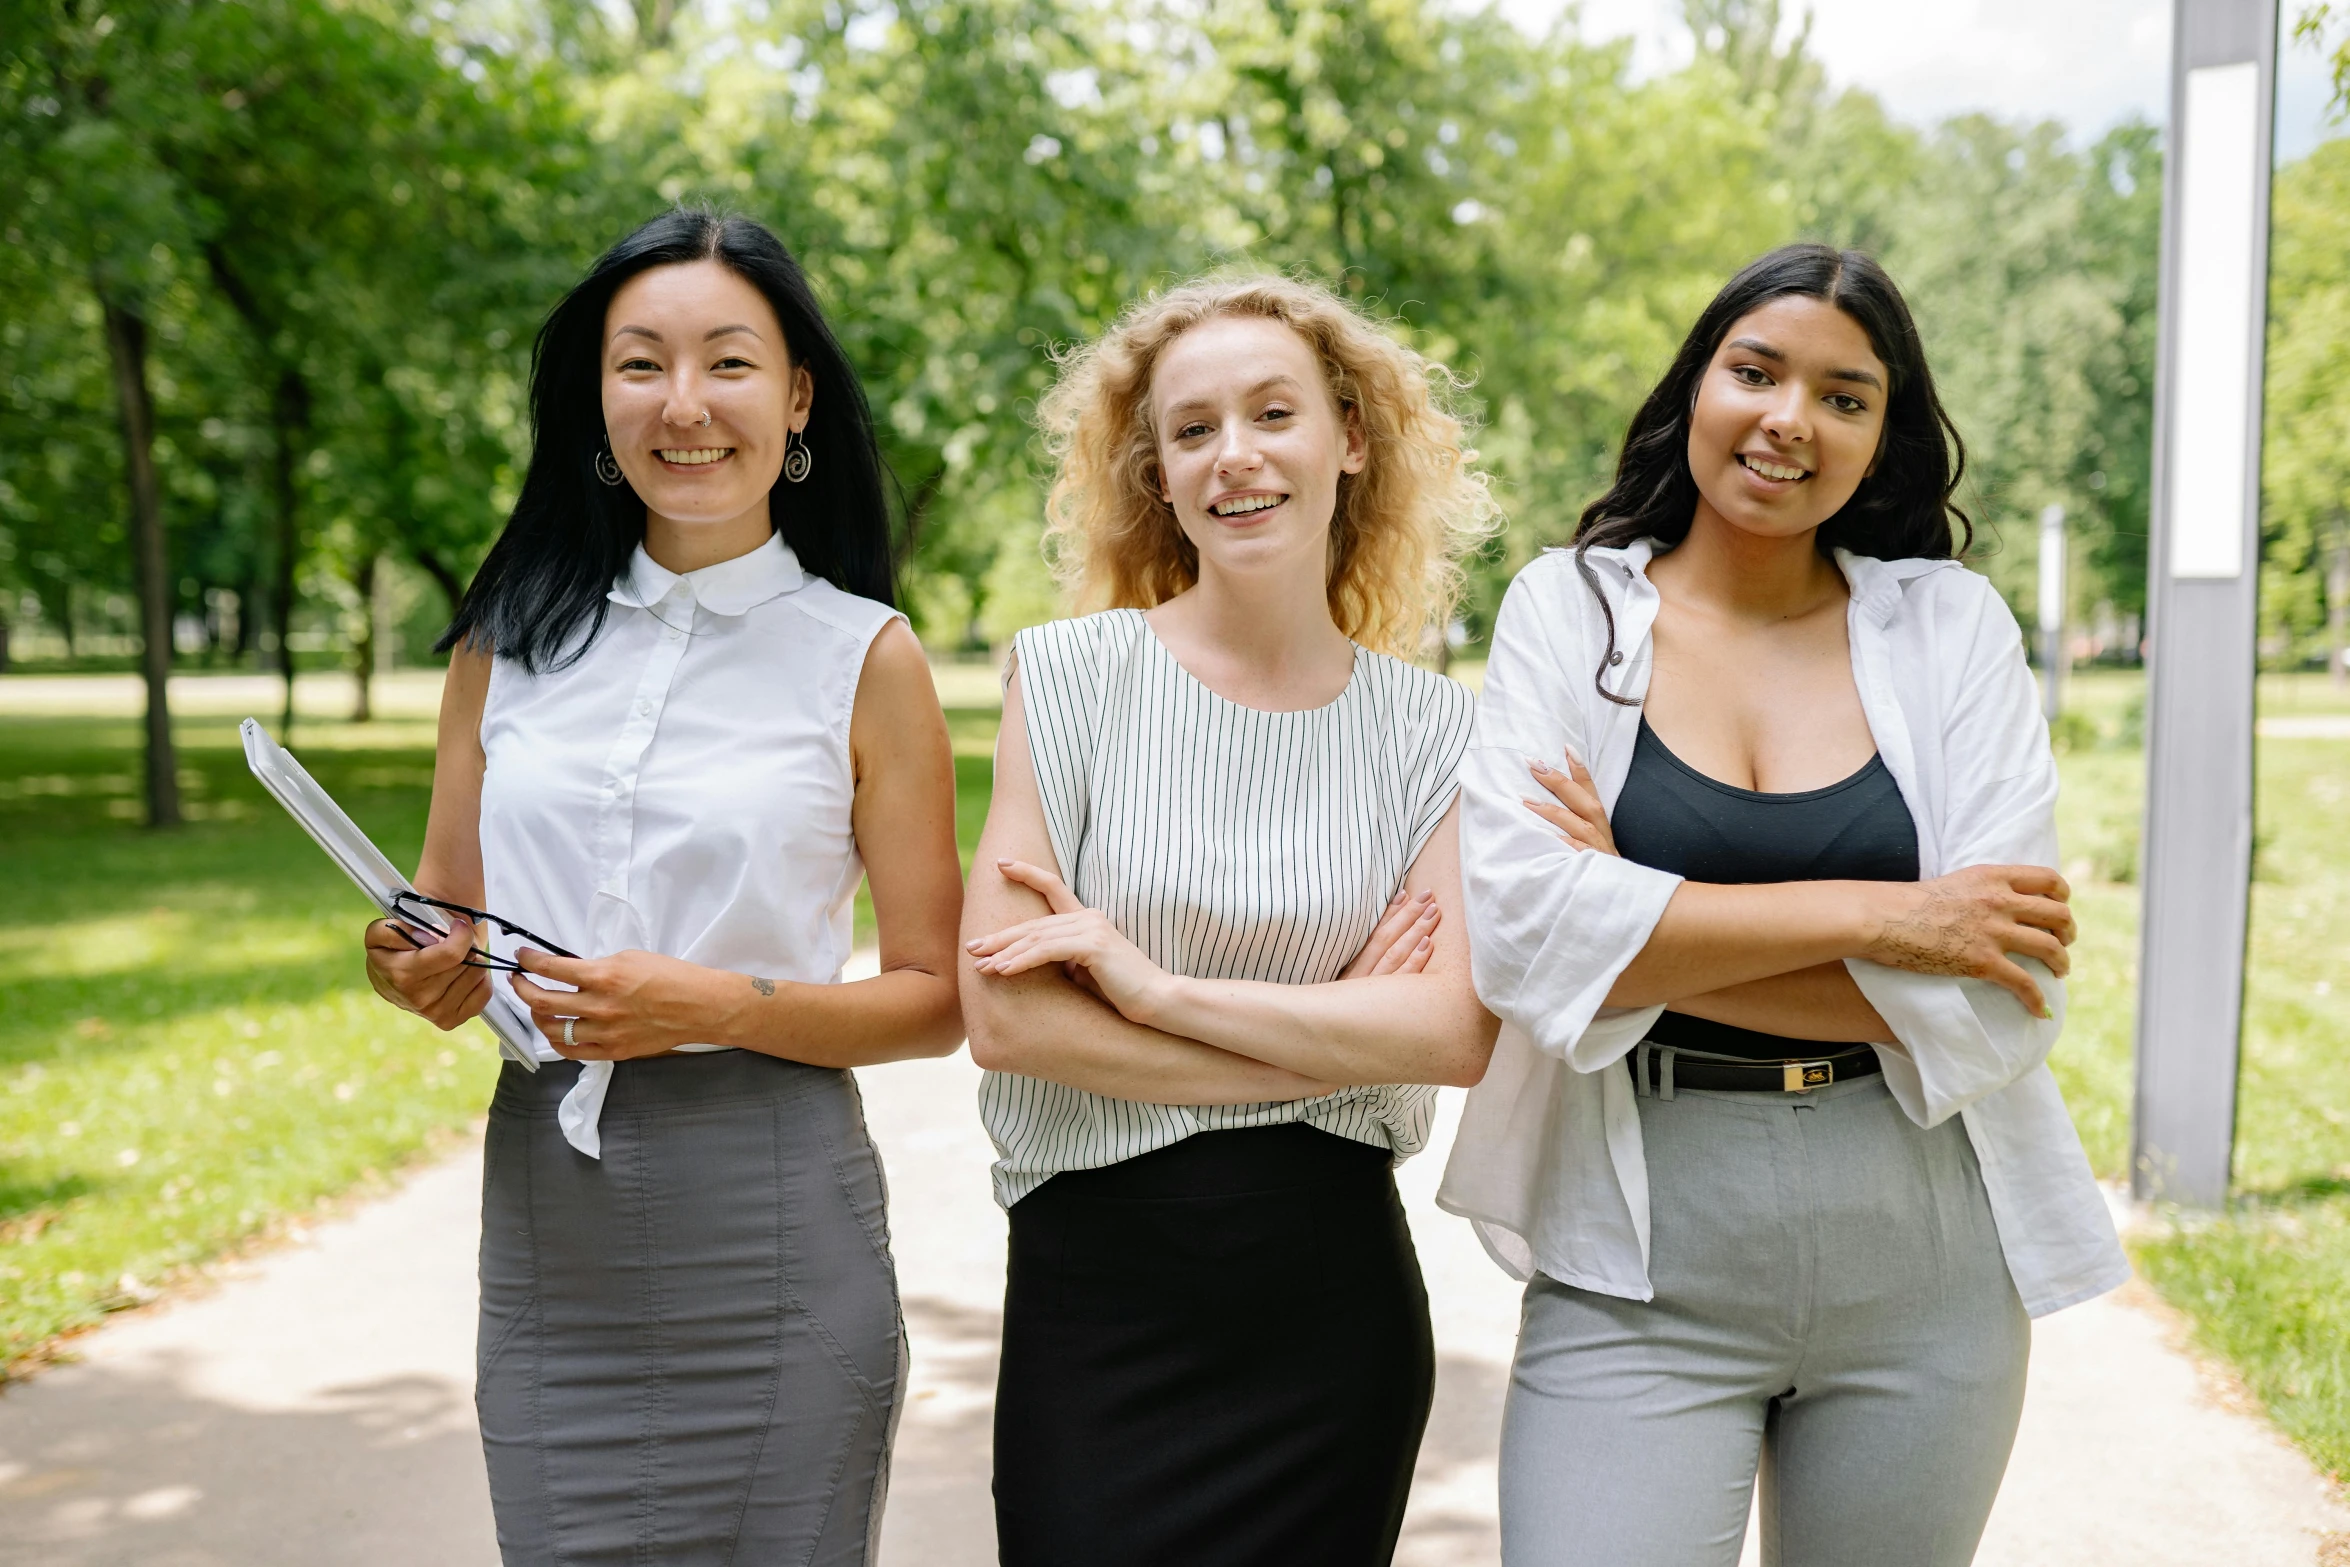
<point>477,958</point>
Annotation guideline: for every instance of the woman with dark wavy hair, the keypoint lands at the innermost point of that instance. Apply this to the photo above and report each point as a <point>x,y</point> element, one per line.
<point>682,721</point>
<point>1776,944</point>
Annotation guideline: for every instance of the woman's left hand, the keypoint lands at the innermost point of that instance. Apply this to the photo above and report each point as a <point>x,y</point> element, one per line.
<point>1098,956</point>
<point>1573,807</point>
<point>627,1005</point>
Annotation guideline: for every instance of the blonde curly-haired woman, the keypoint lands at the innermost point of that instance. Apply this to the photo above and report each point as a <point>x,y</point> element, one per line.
<point>1213,973</point>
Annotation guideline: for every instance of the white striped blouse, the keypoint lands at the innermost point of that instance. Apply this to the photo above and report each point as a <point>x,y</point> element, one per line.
<point>1226,843</point>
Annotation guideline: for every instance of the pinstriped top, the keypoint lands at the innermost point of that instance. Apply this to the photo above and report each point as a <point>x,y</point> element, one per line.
<point>1226,843</point>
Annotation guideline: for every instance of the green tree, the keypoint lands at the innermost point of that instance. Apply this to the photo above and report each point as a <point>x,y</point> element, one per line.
<point>85,89</point>
<point>2314,26</point>
<point>2031,266</point>
<point>2305,469</point>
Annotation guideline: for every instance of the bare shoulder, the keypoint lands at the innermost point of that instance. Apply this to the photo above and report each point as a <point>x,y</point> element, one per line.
<point>896,668</point>
<point>468,679</point>
<point>896,712</point>
<point>465,693</point>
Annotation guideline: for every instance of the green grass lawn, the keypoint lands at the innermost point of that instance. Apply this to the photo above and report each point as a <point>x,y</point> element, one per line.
<point>189,1055</point>
<point>2267,1285</point>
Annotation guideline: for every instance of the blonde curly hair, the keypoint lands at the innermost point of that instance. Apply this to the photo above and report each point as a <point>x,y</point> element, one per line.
<point>1399,528</point>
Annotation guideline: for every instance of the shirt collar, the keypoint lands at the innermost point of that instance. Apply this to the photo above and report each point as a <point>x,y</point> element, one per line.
<point>731,587</point>
<point>1877,585</point>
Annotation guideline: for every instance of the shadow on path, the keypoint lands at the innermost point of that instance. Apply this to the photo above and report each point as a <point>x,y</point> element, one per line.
<point>110,1466</point>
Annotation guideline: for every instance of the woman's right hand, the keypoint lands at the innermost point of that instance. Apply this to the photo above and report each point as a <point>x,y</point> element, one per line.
<point>1403,940</point>
<point>1972,924</point>
<point>431,981</point>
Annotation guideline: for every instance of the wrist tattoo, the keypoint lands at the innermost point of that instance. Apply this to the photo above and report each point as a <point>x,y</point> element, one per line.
<point>765,987</point>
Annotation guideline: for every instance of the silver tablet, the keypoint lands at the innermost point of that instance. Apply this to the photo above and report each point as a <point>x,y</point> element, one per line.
<point>352,850</point>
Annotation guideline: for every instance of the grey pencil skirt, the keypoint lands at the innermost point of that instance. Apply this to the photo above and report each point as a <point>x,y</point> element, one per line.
<point>691,1352</point>
<point>1832,1307</point>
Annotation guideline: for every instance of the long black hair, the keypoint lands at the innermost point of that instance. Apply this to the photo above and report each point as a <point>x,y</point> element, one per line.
<point>571,536</point>
<point>1902,510</point>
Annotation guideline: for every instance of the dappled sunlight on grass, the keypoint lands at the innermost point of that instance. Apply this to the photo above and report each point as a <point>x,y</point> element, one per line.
<point>166,1142</point>
<point>217,930</point>
<point>190,1055</point>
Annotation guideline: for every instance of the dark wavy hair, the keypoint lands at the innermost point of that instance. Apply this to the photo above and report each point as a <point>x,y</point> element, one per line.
<point>1903,510</point>
<point>570,536</point>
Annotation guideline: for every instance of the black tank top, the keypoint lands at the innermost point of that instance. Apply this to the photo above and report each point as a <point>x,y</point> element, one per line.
<point>1674,818</point>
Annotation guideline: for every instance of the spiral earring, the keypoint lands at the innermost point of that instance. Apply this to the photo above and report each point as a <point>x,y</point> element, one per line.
<point>607,465</point>
<point>797,459</point>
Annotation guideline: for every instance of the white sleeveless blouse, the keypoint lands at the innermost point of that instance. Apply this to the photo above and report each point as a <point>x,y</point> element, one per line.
<point>1225,842</point>
<point>685,786</point>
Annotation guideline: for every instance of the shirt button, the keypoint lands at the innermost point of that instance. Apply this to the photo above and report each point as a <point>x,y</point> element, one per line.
<point>674,632</point>
<point>644,709</point>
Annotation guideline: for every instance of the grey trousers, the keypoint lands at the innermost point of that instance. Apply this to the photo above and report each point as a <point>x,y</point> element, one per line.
<point>1833,1315</point>
<point>690,1352</point>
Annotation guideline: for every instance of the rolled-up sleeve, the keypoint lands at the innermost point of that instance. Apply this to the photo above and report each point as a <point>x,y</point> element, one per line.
<point>1550,926</point>
<point>1968,1038</point>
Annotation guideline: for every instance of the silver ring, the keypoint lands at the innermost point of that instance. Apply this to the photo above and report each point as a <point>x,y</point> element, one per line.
<point>569,1043</point>
<point>705,417</point>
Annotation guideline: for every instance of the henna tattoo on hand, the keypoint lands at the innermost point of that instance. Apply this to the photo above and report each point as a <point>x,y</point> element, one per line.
<point>765,987</point>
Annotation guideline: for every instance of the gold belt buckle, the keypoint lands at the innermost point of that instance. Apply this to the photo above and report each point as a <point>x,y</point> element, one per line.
<point>1805,1075</point>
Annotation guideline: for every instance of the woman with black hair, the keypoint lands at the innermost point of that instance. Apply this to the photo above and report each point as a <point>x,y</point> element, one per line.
<point>681,721</point>
<point>1776,944</point>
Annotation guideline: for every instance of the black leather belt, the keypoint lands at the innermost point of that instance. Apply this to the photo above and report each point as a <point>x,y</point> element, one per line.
<point>1661,1069</point>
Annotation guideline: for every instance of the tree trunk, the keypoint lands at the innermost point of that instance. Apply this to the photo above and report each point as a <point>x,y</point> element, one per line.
<point>654,19</point>
<point>363,644</point>
<point>126,345</point>
<point>438,569</point>
<point>290,412</point>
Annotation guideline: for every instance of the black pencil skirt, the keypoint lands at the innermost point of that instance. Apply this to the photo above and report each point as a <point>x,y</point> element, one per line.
<point>1215,1355</point>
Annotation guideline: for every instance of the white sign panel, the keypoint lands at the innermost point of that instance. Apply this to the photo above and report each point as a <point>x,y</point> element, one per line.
<point>2211,385</point>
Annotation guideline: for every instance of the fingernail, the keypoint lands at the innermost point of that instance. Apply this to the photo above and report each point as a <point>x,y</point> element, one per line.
<point>970,946</point>
<point>1543,767</point>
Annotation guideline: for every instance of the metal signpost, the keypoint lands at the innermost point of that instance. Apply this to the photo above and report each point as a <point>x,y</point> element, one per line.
<point>2202,587</point>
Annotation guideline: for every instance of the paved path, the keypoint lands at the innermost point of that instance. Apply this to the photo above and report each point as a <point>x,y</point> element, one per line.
<point>315,1408</point>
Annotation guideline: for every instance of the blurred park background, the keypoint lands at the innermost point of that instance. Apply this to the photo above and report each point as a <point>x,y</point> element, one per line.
<point>269,275</point>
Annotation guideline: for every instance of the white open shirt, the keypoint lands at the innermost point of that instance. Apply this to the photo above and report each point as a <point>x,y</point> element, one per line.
<point>685,787</point>
<point>1548,1162</point>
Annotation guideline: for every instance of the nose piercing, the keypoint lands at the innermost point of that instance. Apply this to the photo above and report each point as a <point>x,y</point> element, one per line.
<point>705,416</point>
